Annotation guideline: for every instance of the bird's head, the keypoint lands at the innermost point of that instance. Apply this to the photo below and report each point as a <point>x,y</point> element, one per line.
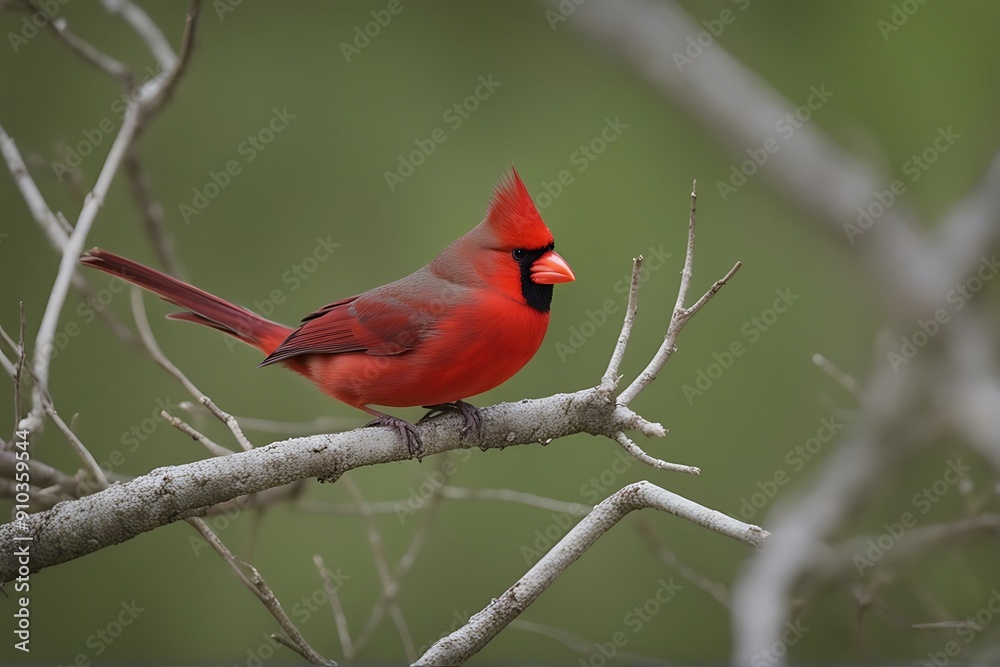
<point>514,247</point>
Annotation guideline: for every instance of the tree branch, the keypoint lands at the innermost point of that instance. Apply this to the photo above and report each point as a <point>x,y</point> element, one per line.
<point>123,511</point>
<point>468,640</point>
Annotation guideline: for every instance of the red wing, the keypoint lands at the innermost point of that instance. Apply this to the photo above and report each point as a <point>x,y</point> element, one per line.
<point>375,323</point>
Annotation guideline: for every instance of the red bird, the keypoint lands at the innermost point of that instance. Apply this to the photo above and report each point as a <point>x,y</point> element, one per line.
<point>457,327</point>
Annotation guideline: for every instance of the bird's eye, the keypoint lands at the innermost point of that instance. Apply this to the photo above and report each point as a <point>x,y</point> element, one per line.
<point>520,254</point>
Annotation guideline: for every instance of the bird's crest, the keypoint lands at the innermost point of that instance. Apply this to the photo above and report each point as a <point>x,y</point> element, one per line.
<point>513,217</point>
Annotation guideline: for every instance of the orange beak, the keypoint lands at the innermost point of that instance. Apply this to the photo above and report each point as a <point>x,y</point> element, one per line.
<point>550,269</point>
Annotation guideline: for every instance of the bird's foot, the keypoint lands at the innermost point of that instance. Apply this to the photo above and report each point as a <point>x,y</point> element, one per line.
<point>407,431</point>
<point>473,426</point>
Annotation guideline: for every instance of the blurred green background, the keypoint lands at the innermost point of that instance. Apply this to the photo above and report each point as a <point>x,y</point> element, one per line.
<point>323,176</point>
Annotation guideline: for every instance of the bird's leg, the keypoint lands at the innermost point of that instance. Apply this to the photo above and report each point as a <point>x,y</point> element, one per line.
<point>473,418</point>
<point>407,431</point>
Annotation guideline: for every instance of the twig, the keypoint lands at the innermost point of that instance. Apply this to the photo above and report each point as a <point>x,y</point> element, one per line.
<point>22,359</point>
<point>55,226</point>
<point>71,253</point>
<point>468,640</point>
<point>91,54</point>
<point>149,342</point>
<point>185,428</point>
<point>153,348</point>
<point>579,644</point>
<point>842,378</point>
<point>150,33</point>
<point>382,565</point>
<point>610,378</point>
<point>43,476</point>
<point>509,495</point>
<point>48,408</point>
<point>680,315</point>
<point>81,450</point>
<point>713,588</point>
<point>652,462</point>
<point>389,594</point>
<point>165,91</point>
<point>152,212</point>
<point>259,588</point>
<point>338,610</point>
<point>11,370</point>
<point>32,196</point>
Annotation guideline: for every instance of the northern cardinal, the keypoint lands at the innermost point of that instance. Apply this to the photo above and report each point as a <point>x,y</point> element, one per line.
<point>457,327</point>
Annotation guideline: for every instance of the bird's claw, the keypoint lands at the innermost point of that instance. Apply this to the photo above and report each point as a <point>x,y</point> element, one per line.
<point>407,431</point>
<point>473,426</point>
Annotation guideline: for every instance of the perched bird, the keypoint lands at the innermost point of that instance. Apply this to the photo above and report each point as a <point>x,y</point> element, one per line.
<point>457,327</point>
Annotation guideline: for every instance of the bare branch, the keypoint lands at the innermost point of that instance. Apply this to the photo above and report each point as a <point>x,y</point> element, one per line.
<point>338,610</point>
<point>154,350</point>
<point>150,33</point>
<point>468,640</point>
<point>214,448</point>
<point>610,379</point>
<point>126,510</point>
<point>389,585</point>
<point>579,644</point>
<point>152,213</point>
<point>71,253</point>
<point>713,588</point>
<point>91,54</point>
<point>39,208</point>
<point>652,462</point>
<point>164,92</point>
<point>509,495</point>
<point>391,592</point>
<point>680,316</point>
<point>259,588</point>
<point>842,378</point>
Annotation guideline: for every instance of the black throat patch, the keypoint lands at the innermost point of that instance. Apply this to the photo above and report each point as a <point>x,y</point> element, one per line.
<point>537,296</point>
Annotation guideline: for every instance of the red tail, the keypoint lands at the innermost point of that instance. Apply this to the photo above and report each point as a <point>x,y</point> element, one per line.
<point>202,307</point>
